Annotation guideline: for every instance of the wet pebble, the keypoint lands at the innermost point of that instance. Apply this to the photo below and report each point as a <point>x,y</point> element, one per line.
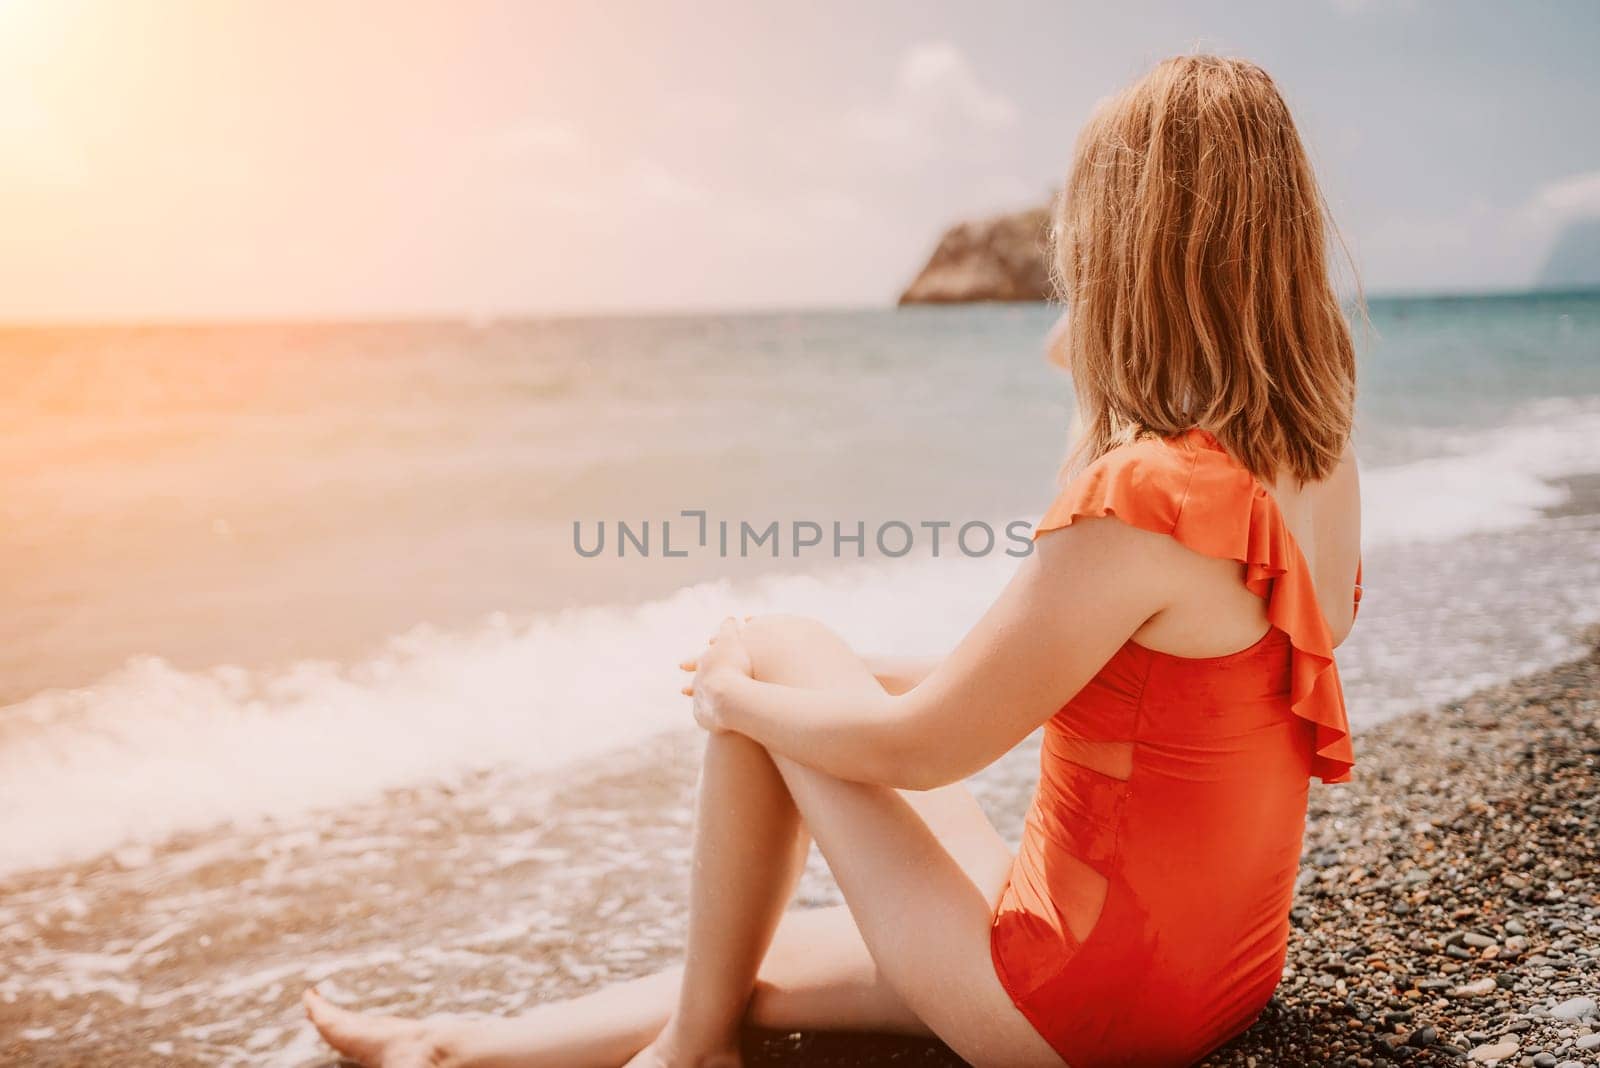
<point>1451,947</point>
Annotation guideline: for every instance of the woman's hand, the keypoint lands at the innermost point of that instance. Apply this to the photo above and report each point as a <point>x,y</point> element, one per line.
<point>724,659</point>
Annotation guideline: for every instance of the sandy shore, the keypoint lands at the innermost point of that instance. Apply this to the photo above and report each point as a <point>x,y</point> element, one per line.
<point>1449,907</point>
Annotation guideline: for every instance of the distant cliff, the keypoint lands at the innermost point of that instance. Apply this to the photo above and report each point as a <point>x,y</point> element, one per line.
<point>1003,258</point>
<point>1574,262</point>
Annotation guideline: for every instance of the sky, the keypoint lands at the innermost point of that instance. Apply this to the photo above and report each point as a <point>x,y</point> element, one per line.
<point>207,159</point>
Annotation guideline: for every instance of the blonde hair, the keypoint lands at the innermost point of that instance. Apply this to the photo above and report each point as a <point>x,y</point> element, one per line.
<point>1191,248</point>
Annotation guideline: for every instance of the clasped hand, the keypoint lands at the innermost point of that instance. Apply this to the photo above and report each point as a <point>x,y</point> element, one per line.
<point>724,660</point>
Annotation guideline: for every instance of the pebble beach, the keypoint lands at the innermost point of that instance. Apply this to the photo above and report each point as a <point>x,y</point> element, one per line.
<point>1448,910</point>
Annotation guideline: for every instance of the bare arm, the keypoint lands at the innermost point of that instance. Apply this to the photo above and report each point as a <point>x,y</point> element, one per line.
<point>1345,486</point>
<point>1084,591</point>
<point>900,674</point>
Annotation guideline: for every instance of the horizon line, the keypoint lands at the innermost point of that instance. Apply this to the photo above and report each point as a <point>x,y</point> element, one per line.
<point>485,319</point>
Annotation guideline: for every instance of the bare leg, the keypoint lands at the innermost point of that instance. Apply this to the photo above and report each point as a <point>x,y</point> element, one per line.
<point>749,848</point>
<point>923,910</point>
<point>602,1029</point>
<point>748,852</point>
<point>742,880</point>
<point>817,973</point>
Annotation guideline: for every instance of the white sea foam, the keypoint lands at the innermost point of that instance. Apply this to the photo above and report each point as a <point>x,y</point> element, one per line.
<point>1495,478</point>
<point>151,750</point>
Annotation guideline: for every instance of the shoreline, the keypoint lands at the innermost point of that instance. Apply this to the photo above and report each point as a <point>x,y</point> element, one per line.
<point>1449,897</point>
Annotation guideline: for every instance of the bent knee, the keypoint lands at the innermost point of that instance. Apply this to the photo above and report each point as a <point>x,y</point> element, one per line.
<point>774,642</point>
<point>779,626</point>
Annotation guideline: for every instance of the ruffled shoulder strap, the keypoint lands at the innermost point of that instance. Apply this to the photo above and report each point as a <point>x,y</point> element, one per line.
<point>1191,488</point>
<point>1143,484</point>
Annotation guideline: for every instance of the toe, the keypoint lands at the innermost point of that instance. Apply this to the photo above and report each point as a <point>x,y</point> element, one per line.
<point>371,1040</point>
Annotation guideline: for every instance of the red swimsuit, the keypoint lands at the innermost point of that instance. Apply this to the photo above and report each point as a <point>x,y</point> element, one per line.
<point>1173,789</point>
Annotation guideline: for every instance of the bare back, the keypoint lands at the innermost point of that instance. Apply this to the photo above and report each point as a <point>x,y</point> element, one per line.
<point>1213,614</point>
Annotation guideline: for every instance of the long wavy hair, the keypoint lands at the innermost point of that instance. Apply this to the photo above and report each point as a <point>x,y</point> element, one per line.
<point>1191,246</point>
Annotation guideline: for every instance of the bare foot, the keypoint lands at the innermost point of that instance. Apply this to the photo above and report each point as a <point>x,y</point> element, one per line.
<point>374,1041</point>
<point>666,1052</point>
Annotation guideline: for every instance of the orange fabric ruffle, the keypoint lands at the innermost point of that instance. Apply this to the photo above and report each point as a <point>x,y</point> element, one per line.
<point>1191,488</point>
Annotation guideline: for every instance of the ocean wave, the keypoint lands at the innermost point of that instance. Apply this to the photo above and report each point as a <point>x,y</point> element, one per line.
<point>151,750</point>
<point>1492,478</point>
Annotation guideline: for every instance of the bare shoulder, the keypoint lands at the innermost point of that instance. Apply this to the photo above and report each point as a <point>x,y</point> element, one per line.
<point>1096,551</point>
<point>1346,477</point>
<point>1104,536</point>
<point>1343,505</point>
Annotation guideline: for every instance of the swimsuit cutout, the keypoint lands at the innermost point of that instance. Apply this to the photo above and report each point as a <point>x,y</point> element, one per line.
<point>1168,819</point>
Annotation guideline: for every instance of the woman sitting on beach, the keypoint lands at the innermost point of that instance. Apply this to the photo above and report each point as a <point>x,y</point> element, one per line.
<point>1172,632</point>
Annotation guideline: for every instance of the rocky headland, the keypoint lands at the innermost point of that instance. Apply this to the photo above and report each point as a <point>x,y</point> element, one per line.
<point>1003,258</point>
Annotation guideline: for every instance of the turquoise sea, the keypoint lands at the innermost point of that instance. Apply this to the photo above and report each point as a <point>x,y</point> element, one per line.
<point>233,552</point>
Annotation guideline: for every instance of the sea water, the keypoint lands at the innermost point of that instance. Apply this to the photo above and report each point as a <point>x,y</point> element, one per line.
<point>255,571</point>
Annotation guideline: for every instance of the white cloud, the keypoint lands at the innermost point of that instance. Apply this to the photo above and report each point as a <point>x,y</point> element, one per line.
<point>1574,197</point>
<point>940,74</point>
<point>1476,244</point>
<point>937,95</point>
